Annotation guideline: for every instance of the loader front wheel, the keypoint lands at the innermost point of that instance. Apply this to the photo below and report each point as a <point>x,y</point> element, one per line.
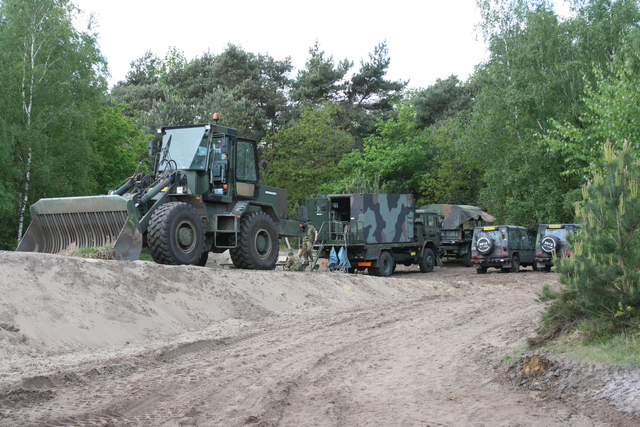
<point>176,234</point>
<point>257,247</point>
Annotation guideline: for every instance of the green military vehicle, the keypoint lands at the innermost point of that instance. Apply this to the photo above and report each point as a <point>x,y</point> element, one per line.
<point>457,229</point>
<point>376,231</point>
<point>203,195</point>
<point>552,242</point>
<point>506,247</point>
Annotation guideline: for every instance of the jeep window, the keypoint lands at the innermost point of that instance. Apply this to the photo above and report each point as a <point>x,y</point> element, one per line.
<point>495,235</point>
<point>560,233</point>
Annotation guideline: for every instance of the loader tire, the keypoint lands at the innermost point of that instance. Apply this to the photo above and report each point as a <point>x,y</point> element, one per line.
<point>176,234</point>
<point>257,246</point>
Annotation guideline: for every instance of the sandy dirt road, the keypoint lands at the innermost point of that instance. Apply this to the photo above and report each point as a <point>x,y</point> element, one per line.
<point>274,348</point>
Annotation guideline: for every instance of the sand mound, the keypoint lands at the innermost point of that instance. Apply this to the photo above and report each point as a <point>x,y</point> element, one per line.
<point>53,304</point>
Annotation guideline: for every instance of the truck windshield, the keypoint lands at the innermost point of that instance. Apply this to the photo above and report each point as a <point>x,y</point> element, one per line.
<point>187,147</point>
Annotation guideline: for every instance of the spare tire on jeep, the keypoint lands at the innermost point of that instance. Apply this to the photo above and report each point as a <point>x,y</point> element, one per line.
<point>484,245</point>
<point>550,244</point>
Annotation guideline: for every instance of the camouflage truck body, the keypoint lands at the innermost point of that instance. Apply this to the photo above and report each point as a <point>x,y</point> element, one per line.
<point>377,231</point>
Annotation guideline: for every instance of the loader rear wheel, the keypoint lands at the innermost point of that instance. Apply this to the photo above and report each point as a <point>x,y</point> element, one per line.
<point>176,234</point>
<point>257,247</point>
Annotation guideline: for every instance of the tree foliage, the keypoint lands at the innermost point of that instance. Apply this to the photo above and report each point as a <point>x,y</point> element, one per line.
<point>396,157</point>
<point>611,106</point>
<point>119,145</point>
<point>303,156</point>
<point>535,75</point>
<point>248,89</point>
<point>441,101</point>
<point>52,86</point>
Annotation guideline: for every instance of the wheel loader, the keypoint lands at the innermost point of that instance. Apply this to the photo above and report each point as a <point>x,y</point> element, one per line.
<point>203,195</point>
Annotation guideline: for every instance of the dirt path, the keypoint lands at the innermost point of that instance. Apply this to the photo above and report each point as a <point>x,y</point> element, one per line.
<point>410,350</point>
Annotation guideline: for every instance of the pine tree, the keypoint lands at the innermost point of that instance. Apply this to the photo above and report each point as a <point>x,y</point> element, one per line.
<point>602,276</point>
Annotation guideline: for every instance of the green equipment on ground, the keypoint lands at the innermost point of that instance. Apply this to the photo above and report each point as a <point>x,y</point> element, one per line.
<point>202,195</point>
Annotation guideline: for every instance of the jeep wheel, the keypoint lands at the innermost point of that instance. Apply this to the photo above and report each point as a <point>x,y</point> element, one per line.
<point>484,245</point>
<point>515,265</point>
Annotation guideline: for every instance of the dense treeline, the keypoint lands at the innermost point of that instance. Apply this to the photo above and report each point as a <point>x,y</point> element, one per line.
<point>518,138</point>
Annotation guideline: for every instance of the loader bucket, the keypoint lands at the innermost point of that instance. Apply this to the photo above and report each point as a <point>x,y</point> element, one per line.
<point>92,221</point>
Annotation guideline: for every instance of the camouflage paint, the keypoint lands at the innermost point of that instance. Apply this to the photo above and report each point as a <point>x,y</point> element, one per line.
<point>373,218</point>
<point>387,218</point>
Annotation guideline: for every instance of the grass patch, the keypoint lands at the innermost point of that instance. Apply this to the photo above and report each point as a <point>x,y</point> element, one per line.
<point>517,352</point>
<point>623,349</point>
<point>145,255</point>
<point>106,252</point>
<point>547,294</point>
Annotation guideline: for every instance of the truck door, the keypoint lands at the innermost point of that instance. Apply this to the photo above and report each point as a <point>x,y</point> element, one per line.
<point>319,215</point>
<point>246,168</point>
<point>431,229</point>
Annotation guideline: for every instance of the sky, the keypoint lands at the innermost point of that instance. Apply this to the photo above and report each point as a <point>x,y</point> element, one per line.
<point>427,39</point>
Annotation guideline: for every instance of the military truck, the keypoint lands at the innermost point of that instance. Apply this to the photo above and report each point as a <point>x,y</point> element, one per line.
<point>552,243</point>
<point>202,195</point>
<point>457,229</point>
<point>377,231</point>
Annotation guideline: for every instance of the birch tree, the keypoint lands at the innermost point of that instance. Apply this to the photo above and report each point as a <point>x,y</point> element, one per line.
<point>52,85</point>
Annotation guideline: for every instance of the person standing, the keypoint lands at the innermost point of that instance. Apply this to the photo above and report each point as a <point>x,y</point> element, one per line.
<point>307,243</point>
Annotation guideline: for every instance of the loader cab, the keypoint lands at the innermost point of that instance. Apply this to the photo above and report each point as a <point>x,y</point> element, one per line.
<point>214,162</point>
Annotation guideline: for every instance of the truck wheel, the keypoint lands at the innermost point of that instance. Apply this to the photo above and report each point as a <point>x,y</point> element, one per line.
<point>386,263</point>
<point>257,246</point>
<point>176,234</point>
<point>466,259</point>
<point>428,261</point>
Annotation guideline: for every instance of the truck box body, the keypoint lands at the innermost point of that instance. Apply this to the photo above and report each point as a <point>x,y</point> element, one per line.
<point>374,229</point>
<point>363,218</point>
